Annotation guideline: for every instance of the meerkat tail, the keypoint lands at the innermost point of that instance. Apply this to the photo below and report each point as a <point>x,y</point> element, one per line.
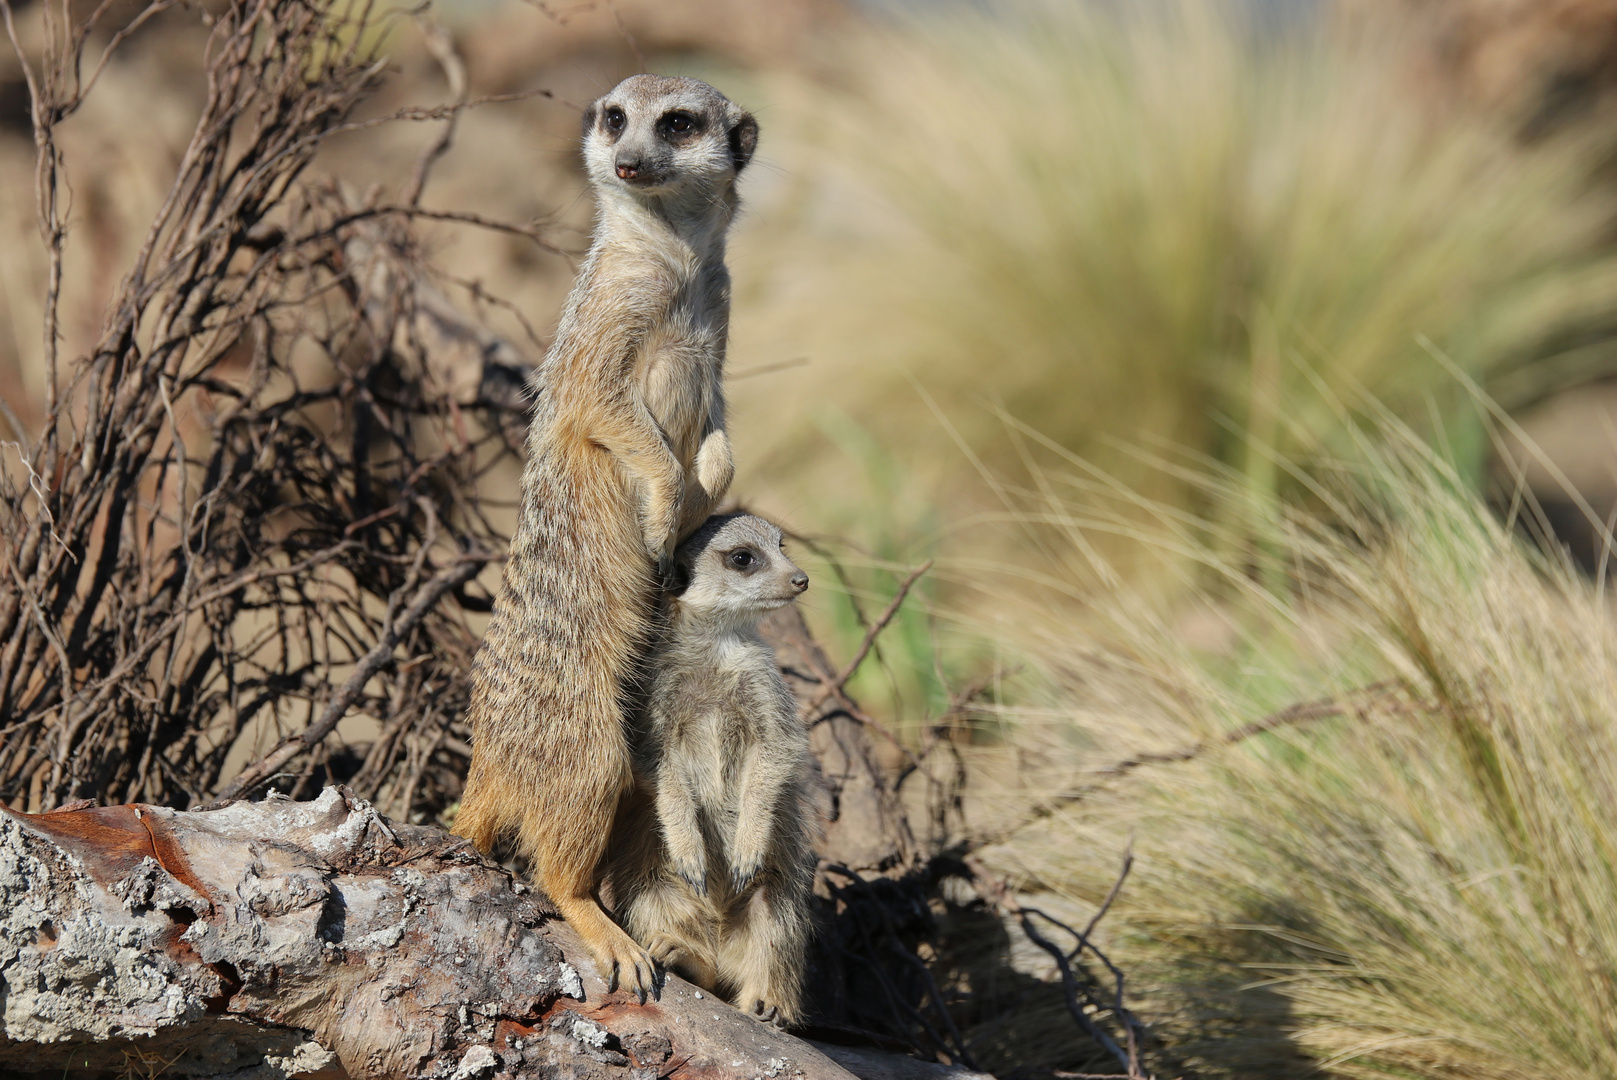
<point>479,818</point>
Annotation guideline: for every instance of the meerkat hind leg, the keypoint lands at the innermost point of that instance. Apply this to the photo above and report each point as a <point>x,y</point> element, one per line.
<point>762,957</point>
<point>564,863</point>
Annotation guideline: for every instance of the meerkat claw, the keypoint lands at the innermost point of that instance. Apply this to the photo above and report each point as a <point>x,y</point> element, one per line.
<point>695,878</point>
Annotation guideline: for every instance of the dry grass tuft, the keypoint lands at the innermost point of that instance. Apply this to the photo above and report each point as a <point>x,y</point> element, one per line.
<point>1412,879</point>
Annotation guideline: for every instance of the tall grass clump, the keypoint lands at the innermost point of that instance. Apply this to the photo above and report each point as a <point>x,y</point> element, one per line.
<point>1413,877</point>
<point>1128,223</point>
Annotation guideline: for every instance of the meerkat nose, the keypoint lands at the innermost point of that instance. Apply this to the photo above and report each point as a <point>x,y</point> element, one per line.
<point>628,170</point>
<point>799,581</point>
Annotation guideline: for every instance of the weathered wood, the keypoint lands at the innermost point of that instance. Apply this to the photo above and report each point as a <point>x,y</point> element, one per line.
<point>319,939</point>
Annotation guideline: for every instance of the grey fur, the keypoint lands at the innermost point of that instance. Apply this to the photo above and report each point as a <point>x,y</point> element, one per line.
<point>717,886</point>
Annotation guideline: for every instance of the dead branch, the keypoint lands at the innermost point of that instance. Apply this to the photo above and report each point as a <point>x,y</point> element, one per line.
<point>450,577</point>
<point>1080,996</point>
<point>442,47</point>
<point>840,681</point>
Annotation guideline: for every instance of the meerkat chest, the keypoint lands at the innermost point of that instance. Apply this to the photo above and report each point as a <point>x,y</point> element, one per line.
<point>681,366</point>
<point>712,697</point>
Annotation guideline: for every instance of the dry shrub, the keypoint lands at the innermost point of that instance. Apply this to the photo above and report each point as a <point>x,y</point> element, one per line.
<point>251,506</point>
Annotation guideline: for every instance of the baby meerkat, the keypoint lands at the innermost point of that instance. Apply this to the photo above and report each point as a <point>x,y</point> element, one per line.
<point>717,887</point>
<point>627,453</point>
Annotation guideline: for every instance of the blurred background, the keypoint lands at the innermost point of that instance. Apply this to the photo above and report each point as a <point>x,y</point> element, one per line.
<point>1102,306</point>
<point>982,238</point>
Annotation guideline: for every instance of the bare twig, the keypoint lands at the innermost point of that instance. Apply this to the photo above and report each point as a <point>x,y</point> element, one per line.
<point>445,580</point>
<point>442,48</point>
<point>996,892</point>
<point>840,681</point>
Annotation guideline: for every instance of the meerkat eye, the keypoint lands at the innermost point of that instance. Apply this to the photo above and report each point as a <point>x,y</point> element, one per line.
<point>615,119</point>
<point>740,560</point>
<point>677,123</point>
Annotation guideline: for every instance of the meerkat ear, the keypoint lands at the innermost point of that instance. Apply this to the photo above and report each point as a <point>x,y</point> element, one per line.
<point>679,578</point>
<point>588,120</point>
<point>743,140</point>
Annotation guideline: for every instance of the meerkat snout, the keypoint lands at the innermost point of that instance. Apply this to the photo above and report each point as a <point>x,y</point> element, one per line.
<point>734,567</point>
<point>655,135</point>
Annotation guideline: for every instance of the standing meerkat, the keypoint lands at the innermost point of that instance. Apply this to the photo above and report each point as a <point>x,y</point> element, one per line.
<point>626,453</point>
<point>717,886</point>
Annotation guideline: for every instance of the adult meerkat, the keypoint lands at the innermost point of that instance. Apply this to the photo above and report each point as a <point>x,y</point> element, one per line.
<point>717,887</point>
<point>626,453</point>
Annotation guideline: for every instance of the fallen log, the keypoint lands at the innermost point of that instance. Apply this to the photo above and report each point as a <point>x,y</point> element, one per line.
<point>319,939</point>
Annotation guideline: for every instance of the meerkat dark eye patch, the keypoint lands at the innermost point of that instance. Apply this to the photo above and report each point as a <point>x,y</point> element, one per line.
<point>614,119</point>
<point>743,559</point>
<point>678,124</point>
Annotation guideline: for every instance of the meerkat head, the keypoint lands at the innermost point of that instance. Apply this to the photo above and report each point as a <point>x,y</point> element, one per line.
<point>653,136</point>
<point>733,569</point>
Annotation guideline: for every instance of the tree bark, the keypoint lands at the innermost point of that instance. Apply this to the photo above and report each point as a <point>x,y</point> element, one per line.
<point>319,939</point>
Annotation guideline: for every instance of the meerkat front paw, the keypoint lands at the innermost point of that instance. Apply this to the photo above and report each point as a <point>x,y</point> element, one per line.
<point>693,872</point>
<point>659,538</point>
<point>659,525</point>
<point>715,464</point>
<point>746,855</point>
<point>742,874</point>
